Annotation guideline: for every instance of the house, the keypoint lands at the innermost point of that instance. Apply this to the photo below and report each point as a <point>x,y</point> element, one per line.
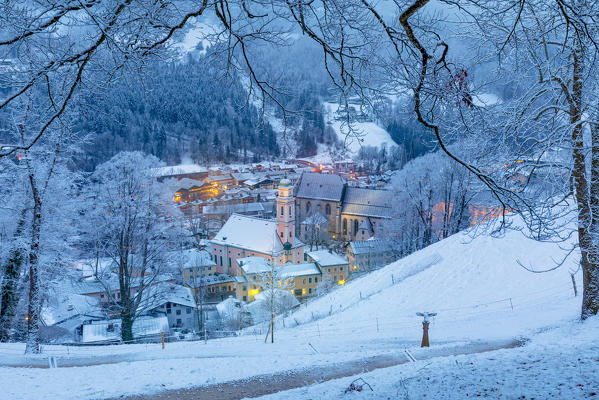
<point>109,289</point>
<point>364,256</point>
<point>176,302</point>
<point>334,267</point>
<point>302,279</point>
<point>352,212</point>
<point>213,288</point>
<point>63,314</point>
<point>244,236</point>
<point>252,269</point>
<point>194,263</point>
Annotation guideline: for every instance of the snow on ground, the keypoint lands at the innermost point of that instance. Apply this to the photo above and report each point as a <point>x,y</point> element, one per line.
<point>368,133</point>
<point>475,284</point>
<point>471,282</point>
<point>562,363</point>
<point>559,363</point>
<point>200,33</point>
<point>147,368</point>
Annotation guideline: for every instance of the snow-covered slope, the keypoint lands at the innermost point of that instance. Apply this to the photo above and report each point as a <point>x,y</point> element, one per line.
<point>361,134</point>
<point>475,284</point>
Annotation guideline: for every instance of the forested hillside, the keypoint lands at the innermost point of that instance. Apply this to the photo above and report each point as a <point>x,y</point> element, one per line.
<point>176,110</point>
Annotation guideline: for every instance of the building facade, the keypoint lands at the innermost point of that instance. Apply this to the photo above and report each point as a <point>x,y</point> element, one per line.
<point>352,213</point>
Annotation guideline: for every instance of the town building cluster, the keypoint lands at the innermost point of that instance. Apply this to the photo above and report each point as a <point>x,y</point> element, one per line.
<point>309,231</point>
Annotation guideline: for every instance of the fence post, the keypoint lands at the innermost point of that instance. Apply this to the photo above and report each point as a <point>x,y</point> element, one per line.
<point>377,325</point>
<point>511,304</point>
<point>162,339</point>
<point>205,335</point>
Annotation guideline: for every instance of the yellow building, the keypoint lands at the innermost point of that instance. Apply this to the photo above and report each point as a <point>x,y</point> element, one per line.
<point>334,267</point>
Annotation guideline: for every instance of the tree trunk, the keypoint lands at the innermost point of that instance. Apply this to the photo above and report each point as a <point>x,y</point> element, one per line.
<point>589,256</point>
<point>10,285</point>
<point>34,308</point>
<point>126,327</point>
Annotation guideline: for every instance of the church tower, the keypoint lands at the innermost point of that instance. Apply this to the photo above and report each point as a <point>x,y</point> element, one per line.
<point>286,215</point>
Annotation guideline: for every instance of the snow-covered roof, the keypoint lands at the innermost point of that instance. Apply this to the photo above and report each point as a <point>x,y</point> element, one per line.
<point>320,186</point>
<point>250,233</point>
<point>208,280</point>
<point>92,285</point>
<point>370,246</point>
<point>254,265</point>
<point>157,295</point>
<point>193,258</point>
<point>61,307</point>
<point>324,258</point>
<point>218,178</point>
<point>367,202</point>
<point>233,208</point>
<point>295,270</point>
<point>179,170</point>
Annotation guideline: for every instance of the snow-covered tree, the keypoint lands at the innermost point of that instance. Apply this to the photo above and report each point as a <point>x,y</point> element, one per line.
<point>132,221</point>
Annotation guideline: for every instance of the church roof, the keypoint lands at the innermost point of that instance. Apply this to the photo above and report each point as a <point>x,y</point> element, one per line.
<point>320,186</point>
<point>250,233</point>
<point>367,202</point>
<point>253,234</point>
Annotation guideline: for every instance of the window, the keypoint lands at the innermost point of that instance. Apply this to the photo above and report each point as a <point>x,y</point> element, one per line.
<point>178,321</point>
<point>310,290</point>
<point>215,259</point>
<point>178,312</point>
<point>229,262</point>
<point>221,260</point>
<point>340,268</point>
<point>297,292</point>
<point>281,234</point>
<point>310,280</point>
<point>110,328</point>
<point>305,255</point>
<point>327,209</point>
<point>315,279</point>
<point>245,298</point>
<point>290,211</point>
<point>345,226</point>
<point>290,234</point>
<point>188,310</point>
<point>245,288</point>
<point>356,227</point>
<point>304,281</point>
<point>308,206</point>
<point>282,211</point>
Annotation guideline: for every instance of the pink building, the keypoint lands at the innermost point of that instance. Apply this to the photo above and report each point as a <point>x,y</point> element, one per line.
<point>244,236</point>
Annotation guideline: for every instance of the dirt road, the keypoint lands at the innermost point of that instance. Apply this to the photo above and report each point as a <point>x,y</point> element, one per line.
<point>267,384</point>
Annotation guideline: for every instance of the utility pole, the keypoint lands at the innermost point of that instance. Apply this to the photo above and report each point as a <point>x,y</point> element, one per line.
<point>425,324</point>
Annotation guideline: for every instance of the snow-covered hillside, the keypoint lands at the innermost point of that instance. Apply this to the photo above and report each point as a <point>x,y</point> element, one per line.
<point>475,284</point>
<point>362,133</point>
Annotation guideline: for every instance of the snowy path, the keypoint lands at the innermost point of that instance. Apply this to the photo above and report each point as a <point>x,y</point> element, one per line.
<point>273,383</point>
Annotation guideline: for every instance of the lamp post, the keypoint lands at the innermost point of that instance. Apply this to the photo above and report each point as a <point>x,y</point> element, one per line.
<point>425,324</point>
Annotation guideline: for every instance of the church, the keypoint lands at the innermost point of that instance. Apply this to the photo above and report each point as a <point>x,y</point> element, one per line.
<point>349,213</point>
<point>245,236</point>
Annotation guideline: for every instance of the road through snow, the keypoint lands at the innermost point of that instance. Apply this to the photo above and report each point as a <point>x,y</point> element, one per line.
<point>272,383</point>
